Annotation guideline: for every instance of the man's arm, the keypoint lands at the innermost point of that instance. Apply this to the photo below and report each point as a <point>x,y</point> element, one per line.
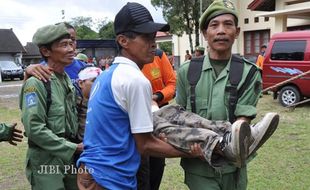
<point>149,145</point>
<point>41,72</point>
<point>10,133</point>
<point>169,80</point>
<point>246,106</point>
<point>182,85</point>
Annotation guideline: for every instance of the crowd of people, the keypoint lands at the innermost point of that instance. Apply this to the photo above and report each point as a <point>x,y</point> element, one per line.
<point>91,129</point>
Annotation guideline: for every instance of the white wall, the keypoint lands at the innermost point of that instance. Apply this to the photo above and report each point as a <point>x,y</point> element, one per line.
<point>181,44</point>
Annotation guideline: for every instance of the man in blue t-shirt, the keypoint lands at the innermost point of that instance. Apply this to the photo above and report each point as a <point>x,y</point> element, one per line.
<point>119,121</point>
<point>43,72</point>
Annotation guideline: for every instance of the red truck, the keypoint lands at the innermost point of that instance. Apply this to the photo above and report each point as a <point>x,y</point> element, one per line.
<point>288,55</point>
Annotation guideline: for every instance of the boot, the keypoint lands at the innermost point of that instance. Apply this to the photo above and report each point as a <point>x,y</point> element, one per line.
<point>261,131</point>
<point>235,143</point>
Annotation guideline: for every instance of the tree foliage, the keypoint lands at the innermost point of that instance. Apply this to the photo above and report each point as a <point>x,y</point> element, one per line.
<point>166,47</point>
<point>183,16</point>
<point>83,29</point>
<point>84,25</point>
<point>107,31</point>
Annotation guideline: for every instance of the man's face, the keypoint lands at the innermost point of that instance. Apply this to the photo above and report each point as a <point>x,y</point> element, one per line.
<point>85,86</point>
<point>197,53</point>
<point>141,49</point>
<point>221,33</point>
<point>62,51</point>
<point>72,36</point>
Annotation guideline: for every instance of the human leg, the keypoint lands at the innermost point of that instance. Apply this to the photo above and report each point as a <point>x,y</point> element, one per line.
<point>182,133</point>
<point>143,174</point>
<point>157,166</point>
<point>228,181</point>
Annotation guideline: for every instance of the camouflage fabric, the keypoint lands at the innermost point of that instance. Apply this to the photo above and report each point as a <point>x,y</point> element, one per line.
<point>82,110</point>
<point>183,128</point>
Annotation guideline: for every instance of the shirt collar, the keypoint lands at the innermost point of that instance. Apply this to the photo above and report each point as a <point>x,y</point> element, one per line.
<point>209,66</point>
<point>126,61</point>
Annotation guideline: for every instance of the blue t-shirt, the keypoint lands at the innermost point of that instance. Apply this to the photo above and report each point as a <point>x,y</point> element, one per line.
<point>73,69</point>
<point>110,152</point>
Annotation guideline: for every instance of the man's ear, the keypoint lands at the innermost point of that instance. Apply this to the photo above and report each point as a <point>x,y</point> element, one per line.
<point>80,83</point>
<point>122,40</point>
<point>237,32</point>
<point>204,33</point>
<point>45,52</point>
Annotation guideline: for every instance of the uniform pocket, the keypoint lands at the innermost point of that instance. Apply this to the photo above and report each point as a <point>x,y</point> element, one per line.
<point>57,120</point>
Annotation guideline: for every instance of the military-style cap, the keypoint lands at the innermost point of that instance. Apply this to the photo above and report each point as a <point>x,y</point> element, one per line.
<point>199,48</point>
<point>217,8</point>
<point>82,57</point>
<point>49,33</point>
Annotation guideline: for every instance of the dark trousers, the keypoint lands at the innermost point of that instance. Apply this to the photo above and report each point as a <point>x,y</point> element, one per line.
<point>150,173</point>
<point>157,166</point>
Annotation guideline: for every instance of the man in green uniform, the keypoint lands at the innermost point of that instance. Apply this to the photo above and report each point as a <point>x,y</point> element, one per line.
<point>199,51</point>
<point>10,133</point>
<point>219,27</point>
<point>49,115</point>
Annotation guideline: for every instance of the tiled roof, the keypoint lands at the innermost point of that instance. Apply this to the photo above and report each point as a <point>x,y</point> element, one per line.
<point>262,5</point>
<point>32,49</point>
<point>9,43</point>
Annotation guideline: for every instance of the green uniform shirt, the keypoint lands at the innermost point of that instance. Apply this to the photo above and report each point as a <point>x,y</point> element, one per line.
<point>212,103</point>
<point>48,133</point>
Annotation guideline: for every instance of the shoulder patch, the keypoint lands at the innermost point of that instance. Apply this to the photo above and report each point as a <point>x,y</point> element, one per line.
<point>31,99</point>
<point>30,89</point>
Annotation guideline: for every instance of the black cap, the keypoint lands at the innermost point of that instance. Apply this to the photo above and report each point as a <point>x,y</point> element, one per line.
<point>134,17</point>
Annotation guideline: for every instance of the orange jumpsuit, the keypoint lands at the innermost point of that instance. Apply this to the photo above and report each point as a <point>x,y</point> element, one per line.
<point>162,77</point>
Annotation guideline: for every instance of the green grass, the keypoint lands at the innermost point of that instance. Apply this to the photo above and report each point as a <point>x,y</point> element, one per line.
<point>283,163</point>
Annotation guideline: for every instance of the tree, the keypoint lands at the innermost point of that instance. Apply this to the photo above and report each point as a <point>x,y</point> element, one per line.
<point>107,30</point>
<point>166,47</point>
<point>83,29</point>
<point>183,16</point>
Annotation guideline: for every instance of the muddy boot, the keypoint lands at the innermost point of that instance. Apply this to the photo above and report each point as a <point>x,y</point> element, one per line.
<point>235,143</point>
<point>261,131</point>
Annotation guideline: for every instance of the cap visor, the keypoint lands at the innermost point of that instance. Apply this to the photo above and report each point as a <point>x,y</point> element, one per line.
<point>151,27</point>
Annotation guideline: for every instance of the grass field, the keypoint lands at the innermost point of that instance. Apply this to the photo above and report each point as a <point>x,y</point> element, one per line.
<point>283,163</point>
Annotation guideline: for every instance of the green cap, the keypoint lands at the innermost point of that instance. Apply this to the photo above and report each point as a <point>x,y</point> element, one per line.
<point>199,48</point>
<point>82,57</point>
<point>217,8</point>
<point>49,33</point>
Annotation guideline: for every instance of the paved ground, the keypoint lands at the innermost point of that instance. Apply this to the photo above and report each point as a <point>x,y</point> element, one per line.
<point>9,92</point>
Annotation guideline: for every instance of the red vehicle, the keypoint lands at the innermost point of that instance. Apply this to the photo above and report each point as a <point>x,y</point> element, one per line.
<point>288,55</point>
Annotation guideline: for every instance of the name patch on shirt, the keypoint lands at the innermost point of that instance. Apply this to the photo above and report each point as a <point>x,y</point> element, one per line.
<point>31,99</point>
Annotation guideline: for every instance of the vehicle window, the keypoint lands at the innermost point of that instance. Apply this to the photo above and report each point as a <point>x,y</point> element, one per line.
<point>8,65</point>
<point>288,50</point>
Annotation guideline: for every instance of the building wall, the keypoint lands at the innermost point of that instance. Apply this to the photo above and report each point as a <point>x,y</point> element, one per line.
<point>181,44</point>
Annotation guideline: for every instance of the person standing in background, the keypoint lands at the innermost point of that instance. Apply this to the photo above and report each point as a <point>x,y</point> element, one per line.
<point>199,51</point>
<point>188,56</point>
<point>261,57</point>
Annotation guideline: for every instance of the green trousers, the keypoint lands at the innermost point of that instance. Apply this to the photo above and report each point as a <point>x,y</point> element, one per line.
<point>221,182</point>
